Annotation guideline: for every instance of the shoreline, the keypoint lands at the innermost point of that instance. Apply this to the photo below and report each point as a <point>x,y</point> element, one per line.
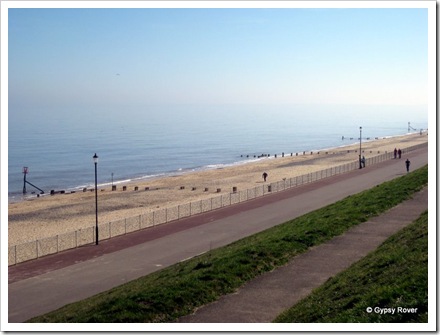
<point>144,179</point>
<point>48,216</point>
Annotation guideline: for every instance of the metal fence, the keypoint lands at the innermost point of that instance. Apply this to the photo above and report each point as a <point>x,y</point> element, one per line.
<point>51,245</point>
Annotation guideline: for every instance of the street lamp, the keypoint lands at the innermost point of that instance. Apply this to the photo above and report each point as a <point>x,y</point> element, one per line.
<point>95,160</point>
<point>360,147</point>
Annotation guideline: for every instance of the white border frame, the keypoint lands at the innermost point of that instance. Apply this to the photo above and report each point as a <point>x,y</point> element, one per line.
<point>430,5</point>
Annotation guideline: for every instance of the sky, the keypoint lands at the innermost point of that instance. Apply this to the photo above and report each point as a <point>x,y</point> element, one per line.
<point>66,57</point>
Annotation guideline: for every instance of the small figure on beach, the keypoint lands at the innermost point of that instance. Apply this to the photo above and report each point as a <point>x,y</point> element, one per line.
<point>399,152</point>
<point>363,161</point>
<point>265,176</point>
<point>407,163</point>
<point>395,153</point>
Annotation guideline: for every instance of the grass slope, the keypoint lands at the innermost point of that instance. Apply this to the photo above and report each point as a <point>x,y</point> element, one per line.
<point>393,276</point>
<point>178,290</point>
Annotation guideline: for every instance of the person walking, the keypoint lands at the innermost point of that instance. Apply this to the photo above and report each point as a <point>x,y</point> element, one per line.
<point>407,163</point>
<point>265,176</point>
<point>399,152</point>
<point>363,161</point>
<point>395,153</point>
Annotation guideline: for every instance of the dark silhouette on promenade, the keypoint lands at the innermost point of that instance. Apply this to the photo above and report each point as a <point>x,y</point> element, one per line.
<point>407,163</point>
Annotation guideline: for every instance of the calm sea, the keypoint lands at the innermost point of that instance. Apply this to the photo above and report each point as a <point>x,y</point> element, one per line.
<point>57,145</point>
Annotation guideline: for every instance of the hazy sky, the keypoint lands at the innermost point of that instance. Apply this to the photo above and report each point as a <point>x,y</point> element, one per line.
<point>107,57</point>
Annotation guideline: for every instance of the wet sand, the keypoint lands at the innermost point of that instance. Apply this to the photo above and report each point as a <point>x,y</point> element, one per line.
<point>52,215</point>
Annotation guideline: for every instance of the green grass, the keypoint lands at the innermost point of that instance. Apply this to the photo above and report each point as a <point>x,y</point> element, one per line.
<point>395,275</point>
<point>177,290</point>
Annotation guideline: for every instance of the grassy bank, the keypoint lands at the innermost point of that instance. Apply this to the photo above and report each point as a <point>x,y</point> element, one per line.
<point>393,276</point>
<point>177,290</point>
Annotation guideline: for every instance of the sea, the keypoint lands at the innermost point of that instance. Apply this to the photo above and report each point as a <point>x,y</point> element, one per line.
<point>140,143</point>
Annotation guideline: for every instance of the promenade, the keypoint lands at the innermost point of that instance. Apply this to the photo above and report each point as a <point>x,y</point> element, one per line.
<point>37,287</point>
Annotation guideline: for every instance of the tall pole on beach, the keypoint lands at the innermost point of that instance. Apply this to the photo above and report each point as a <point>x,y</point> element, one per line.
<point>360,147</point>
<point>95,160</point>
<point>25,171</point>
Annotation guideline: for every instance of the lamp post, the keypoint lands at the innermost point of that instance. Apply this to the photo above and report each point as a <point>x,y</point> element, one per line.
<point>360,147</point>
<point>95,160</point>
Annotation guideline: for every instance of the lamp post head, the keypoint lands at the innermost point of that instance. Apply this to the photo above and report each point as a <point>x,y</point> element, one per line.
<point>95,159</point>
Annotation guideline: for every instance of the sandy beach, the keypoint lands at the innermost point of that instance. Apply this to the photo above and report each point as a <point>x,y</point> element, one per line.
<point>52,215</point>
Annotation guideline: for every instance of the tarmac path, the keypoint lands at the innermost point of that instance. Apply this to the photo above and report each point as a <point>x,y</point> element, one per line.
<point>265,297</point>
<point>40,286</point>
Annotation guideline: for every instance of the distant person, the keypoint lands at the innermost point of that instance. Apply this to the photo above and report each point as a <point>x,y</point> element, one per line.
<point>399,152</point>
<point>265,176</point>
<point>395,153</point>
<point>363,161</point>
<point>407,163</point>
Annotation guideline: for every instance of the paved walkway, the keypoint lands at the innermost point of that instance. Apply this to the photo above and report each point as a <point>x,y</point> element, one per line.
<point>264,298</point>
<point>43,285</point>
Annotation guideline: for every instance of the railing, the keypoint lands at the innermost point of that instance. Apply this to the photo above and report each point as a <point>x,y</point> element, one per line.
<point>50,245</point>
